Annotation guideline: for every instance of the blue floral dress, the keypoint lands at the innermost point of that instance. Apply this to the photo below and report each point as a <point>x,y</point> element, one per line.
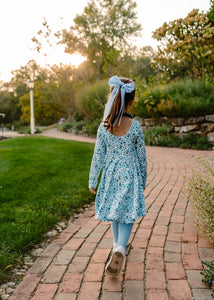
<point>120,196</point>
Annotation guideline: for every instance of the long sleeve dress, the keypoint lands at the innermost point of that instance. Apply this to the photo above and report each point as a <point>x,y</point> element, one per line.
<point>120,195</point>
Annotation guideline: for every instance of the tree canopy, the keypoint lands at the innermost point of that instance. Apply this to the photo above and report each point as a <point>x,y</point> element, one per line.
<point>187,46</point>
<point>102,32</point>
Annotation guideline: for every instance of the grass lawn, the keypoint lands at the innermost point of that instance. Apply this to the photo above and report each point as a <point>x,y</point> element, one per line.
<point>42,181</point>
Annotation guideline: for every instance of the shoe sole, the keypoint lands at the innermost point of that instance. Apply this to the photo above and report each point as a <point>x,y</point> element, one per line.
<point>114,266</point>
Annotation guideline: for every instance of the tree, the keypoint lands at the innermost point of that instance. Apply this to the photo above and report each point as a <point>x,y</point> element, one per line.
<point>187,46</point>
<point>102,32</point>
<point>211,12</point>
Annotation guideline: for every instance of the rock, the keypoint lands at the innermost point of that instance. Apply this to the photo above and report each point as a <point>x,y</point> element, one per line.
<point>210,118</point>
<point>177,128</point>
<point>195,120</point>
<point>58,228</point>
<point>37,252</point>
<point>177,121</point>
<point>9,290</point>
<point>211,136</point>
<point>189,128</point>
<point>4,286</point>
<point>51,234</point>
<point>149,122</point>
<point>62,225</point>
<point>5,297</point>
<point>11,284</point>
<point>208,127</point>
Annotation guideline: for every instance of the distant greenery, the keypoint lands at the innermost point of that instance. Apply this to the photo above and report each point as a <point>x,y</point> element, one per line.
<point>184,98</point>
<point>160,136</point>
<point>42,181</point>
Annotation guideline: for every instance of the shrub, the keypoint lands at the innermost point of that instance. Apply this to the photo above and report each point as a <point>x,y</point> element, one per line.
<point>92,126</point>
<point>208,274</point>
<point>185,98</point>
<point>65,127</point>
<point>160,136</point>
<point>90,100</point>
<point>202,193</point>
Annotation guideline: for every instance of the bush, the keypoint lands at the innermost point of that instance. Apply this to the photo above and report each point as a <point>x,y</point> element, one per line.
<point>202,193</point>
<point>208,274</point>
<point>160,136</point>
<point>92,126</point>
<point>91,99</point>
<point>185,98</point>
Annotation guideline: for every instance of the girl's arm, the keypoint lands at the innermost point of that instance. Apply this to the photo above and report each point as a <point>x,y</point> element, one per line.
<point>97,160</point>
<point>141,153</point>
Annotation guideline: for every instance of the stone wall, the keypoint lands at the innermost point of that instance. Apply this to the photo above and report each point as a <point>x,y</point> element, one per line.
<point>203,125</point>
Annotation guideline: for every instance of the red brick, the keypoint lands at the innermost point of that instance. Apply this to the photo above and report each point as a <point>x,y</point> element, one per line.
<point>45,292</point>
<point>204,242</point>
<point>106,244</point>
<point>65,296</point>
<point>27,286</point>
<point>163,220</point>
<point>64,257</point>
<point>140,243</point>
<point>133,289</point>
<point>177,219</point>
<point>154,262</point>
<point>71,283</point>
<point>94,237</point>
<point>172,246</point>
<point>134,271</point>
<point>73,244</point>
<point>160,230</point>
<point>195,279</point>
<point>83,232</point>
<point>147,223</point>
<point>174,237</point>
<point>155,280</point>
<point>113,284</point>
<point>78,264</point>
<point>175,271</point>
<point>40,265</point>
<point>91,223</point>
<point>172,257</point>
<point>100,255</point>
<point>62,238</point>
<point>72,229</point>
<point>90,290</point>
<point>189,236</point>
<point>51,250</point>
<point>179,289</point>
<point>136,255</point>
<point>191,262</point>
<point>87,249</point>
<point>155,250</point>
<point>108,234</point>
<point>94,272</point>
<point>189,248</point>
<point>54,273</point>
<point>157,241</point>
<point>157,295</point>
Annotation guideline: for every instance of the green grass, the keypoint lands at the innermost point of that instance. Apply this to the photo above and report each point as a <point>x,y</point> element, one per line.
<point>42,181</point>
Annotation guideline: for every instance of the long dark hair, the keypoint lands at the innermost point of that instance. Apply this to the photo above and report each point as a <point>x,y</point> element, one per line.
<point>110,119</point>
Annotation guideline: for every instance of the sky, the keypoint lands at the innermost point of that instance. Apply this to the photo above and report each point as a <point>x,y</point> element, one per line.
<point>21,20</point>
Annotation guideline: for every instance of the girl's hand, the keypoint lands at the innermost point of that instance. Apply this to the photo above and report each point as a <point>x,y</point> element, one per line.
<point>92,191</point>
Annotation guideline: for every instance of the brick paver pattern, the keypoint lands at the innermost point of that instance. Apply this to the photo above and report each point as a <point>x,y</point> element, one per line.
<point>164,261</point>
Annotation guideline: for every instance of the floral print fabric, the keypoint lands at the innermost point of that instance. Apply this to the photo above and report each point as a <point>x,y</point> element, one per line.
<point>120,195</point>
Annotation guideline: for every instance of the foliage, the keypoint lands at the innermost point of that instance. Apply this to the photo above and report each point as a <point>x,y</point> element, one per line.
<point>202,195</point>
<point>208,273</point>
<point>43,181</point>
<point>183,98</point>
<point>187,46</point>
<point>92,127</point>
<point>211,12</point>
<point>91,98</point>
<point>102,32</point>
<point>160,136</point>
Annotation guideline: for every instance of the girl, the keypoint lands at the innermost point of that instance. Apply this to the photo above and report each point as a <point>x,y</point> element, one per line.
<point>120,151</point>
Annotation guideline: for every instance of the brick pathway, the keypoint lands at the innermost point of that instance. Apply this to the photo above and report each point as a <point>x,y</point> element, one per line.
<point>163,263</point>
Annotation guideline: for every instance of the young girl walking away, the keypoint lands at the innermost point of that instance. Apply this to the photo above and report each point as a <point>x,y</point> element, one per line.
<point>120,153</point>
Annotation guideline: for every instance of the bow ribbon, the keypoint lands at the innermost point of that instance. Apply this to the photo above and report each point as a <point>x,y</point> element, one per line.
<point>125,88</point>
